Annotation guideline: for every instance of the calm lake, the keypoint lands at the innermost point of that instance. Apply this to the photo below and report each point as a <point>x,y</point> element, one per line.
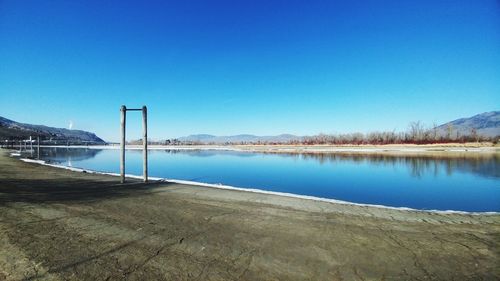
<point>465,182</point>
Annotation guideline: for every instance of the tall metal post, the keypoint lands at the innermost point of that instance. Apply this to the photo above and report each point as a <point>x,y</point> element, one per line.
<point>145,143</point>
<point>31,147</point>
<point>122,143</point>
<point>144,110</point>
<point>38,147</point>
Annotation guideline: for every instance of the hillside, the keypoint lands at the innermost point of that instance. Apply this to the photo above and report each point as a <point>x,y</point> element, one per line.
<point>11,130</point>
<point>486,124</point>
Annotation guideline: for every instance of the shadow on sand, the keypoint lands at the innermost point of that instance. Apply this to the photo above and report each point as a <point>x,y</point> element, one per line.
<point>68,189</point>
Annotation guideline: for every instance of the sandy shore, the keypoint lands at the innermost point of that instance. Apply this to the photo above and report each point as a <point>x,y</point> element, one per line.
<point>61,225</point>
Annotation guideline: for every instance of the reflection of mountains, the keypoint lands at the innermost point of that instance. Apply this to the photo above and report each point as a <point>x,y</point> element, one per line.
<point>210,153</point>
<point>482,165</point>
<point>60,154</point>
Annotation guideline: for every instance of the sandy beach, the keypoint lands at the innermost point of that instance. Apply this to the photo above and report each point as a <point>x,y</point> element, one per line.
<point>57,224</point>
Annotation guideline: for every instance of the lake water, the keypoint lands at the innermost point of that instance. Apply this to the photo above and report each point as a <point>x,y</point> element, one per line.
<point>464,183</point>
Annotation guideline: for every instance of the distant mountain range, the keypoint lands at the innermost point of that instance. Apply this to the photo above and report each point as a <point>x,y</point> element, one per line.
<point>204,138</point>
<point>14,130</point>
<point>486,124</point>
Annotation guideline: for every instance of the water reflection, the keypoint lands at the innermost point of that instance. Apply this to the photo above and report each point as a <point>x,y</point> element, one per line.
<point>61,154</point>
<point>480,164</point>
<point>207,152</point>
<point>432,163</point>
<point>431,180</point>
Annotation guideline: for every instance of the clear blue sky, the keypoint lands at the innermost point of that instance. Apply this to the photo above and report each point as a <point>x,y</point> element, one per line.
<point>259,67</point>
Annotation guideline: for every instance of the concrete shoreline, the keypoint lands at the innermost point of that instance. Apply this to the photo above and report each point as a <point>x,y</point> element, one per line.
<point>57,224</point>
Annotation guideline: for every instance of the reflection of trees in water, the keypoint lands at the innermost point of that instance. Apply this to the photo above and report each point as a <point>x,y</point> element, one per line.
<point>61,154</point>
<point>418,165</point>
<point>483,165</point>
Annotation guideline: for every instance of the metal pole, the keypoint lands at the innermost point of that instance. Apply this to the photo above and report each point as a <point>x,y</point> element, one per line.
<point>38,147</point>
<point>145,142</point>
<point>122,144</point>
<point>31,147</point>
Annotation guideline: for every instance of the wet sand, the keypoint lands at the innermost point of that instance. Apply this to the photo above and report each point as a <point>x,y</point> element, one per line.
<point>57,224</point>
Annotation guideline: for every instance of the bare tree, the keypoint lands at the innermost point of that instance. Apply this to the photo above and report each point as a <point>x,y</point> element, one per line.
<point>416,131</point>
<point>473,134</point>
<point>449,131</point>
<point>434,131</point>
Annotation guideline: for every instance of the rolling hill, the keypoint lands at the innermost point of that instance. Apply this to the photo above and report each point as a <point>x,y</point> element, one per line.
<point>486,124</point>
<point>12,130</point>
